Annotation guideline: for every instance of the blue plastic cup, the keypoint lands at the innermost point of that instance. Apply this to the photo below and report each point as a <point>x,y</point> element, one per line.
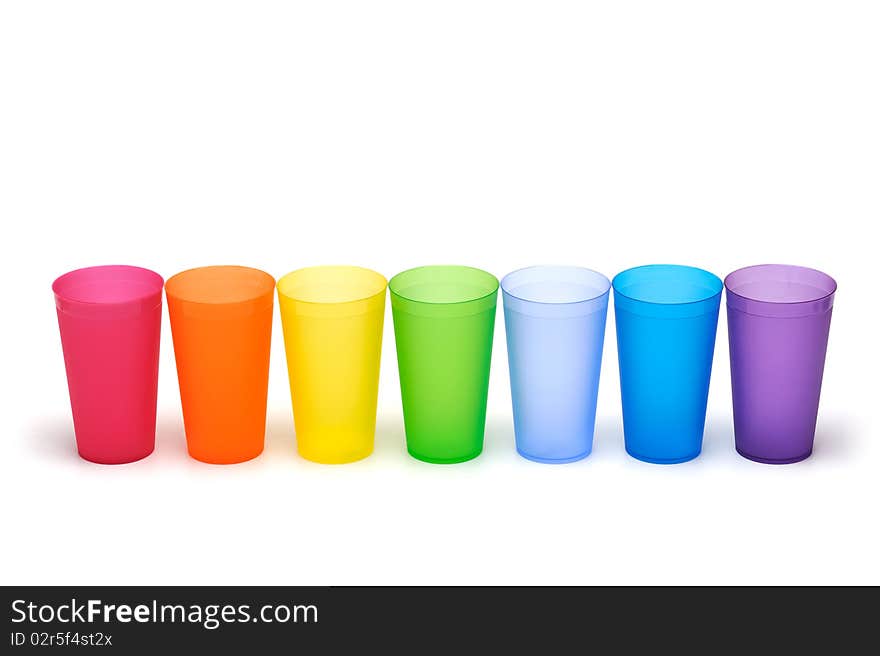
<point>666,317</point>
<point>555,322</point>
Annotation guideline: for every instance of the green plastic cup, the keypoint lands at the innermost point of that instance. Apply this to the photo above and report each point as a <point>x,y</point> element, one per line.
<point>444,319</point>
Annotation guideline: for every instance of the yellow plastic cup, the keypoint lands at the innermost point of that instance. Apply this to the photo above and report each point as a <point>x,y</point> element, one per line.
<point>332,318</point>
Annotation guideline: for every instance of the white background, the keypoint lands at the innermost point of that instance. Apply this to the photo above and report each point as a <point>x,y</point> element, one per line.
<point>394,134</point>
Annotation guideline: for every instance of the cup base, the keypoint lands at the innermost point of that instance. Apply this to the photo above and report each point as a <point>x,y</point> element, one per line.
<point>775,461</point>
<point>445,461</point>
<point>663,461</point>
<point>334,461</point>
<point>223,461</point>
<point>114,461</point>
<point>554,461</point>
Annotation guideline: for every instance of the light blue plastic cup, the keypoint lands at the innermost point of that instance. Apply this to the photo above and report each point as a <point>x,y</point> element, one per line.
<point>555,322</point>
<point>666,318</point>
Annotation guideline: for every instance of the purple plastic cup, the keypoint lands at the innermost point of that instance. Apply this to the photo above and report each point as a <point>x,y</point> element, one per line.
<point>778,317</point>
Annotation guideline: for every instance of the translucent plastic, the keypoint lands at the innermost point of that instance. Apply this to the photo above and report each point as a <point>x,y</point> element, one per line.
<point>666,316</point>
<point>778,319</point>
<point>221,323</point>
<point>110,318</point>
<point>444,319</point>
<point>332,318</point>
<point>555,323</point>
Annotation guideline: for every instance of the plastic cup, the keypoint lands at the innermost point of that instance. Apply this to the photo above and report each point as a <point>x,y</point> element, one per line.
<point>555,322</point>
<point>666,318</point>
<point>332,318</point>
<point>110,318</point>
<point>778,319</point>
<point>444,319</point>
<point>221,324</point>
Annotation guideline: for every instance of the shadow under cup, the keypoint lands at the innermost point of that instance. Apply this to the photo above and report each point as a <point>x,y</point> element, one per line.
<point>444,320</point>
<point>778,317</point>
<point>110,319</point>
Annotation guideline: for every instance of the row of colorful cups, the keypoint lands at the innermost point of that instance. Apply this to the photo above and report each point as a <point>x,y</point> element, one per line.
<point>444,316</point>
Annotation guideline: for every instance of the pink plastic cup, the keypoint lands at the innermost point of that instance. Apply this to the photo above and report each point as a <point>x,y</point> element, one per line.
<point>109,318</point>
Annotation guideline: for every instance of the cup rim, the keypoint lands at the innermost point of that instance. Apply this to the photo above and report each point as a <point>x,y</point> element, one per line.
<point>458,267</point>
<point>335,267</point>
<point>199,301</point>
<point>558,267</point>
<point>792,267</point>
<point>150,276</point>
<point>715,279</point>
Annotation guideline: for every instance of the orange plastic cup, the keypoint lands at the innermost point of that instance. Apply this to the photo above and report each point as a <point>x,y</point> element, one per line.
<point>221,325</point>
